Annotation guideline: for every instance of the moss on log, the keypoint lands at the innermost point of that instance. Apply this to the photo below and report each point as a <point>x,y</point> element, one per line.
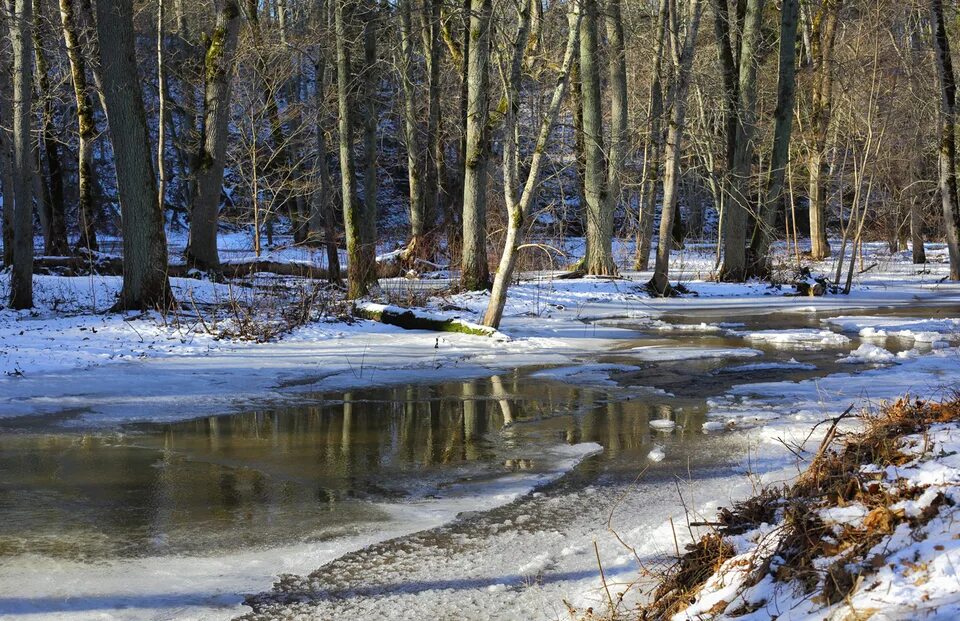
<point>409,320</point>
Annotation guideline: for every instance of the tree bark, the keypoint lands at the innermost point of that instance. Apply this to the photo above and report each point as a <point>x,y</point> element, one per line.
<point>734,267</point>
<point>783,127</point>
<point>368,221</point>
<point>86,129</point>
<point>948,140</point>
<point>475,273</point>
<point>145,282</point>
<point>361,265</point>
<point>411,126</point>
<point>322,211</point>
<point>221,45</point>
<point>597,211</point>
<point>6,150</point>
<point>619,118</point>
<point>824,36</point>
<point>21,278</point>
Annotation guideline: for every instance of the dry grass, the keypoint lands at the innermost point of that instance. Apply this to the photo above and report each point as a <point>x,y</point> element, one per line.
<point>833,478</point>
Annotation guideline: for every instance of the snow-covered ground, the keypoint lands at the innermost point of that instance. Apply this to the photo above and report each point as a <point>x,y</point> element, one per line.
<point>113,369</point>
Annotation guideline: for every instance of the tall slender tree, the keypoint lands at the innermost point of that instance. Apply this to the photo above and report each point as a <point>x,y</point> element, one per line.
<point>823,39</point>
<point>786,85</point>
<point>86,128</point>
<point>948,135</point>
<point>683,49</point>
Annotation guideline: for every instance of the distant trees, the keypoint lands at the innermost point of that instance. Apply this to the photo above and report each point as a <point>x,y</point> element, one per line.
<point>436,124</point>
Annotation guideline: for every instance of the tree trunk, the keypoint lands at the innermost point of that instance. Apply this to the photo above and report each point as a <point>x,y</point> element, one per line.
<point>916,233</point>
<point>653,149</point>
<point>597,211</point>
<point>948,140</point>
<point>86,129</point>
<point>783,127</point>
<point>518,209</point>
<point>145,282</point>
<point>824,36</point>
<point>368,221</point>
<point>221,44</point>
<point>660,283</point>
<point>322,212</point>
<point>56,230</point>
<point>475,273</point>
<point>6,151</point>
<point>21,278</point>
<point>433,138</point>
<point>619,137</point>
<point>360,266</point>
<point>734,268</point>
<point>409,79</point>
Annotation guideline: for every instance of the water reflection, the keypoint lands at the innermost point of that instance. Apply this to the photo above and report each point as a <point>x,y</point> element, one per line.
<point>300,473</point>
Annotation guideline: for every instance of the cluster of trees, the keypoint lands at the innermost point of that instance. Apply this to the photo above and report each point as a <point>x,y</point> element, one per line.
<point>304,111</point>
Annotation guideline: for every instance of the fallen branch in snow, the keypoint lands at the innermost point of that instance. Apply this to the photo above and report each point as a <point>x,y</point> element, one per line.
<point>419,320</point>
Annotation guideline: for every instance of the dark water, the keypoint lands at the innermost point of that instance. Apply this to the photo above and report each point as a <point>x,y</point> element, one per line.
<point>325,470</point>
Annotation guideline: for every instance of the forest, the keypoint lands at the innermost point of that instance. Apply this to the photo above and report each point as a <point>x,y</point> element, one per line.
<point>471,135</point>
<point>582,310</point>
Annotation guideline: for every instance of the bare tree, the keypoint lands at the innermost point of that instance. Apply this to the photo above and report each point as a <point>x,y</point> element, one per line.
<point>221,45</point>
<point>948,139</point>
<point>20,22</point>
<point>475,272</point>
<point>86,128</point>
<point>598,210</point>
<point>824,34</point>
<point>786,86</point>
<point>682,55</point>
<point>145,282</point>
<point>519,207</point>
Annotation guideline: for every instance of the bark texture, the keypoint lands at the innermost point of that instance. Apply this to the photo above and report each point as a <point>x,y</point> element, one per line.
<point>145,281</point>
<point>475,272</point>
<point>948,140</point>
<point>221,47</point>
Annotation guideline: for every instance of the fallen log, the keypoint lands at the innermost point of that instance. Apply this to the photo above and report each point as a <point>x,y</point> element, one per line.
<point>420,320</point>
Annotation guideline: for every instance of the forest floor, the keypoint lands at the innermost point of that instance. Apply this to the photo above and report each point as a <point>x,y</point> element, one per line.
<point>272,340</point>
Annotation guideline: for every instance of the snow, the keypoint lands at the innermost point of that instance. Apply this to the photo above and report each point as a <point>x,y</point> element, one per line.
<point>119,368</point>
<point>918,575</point>
<point>868,352</point>
<point>798,339</point>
